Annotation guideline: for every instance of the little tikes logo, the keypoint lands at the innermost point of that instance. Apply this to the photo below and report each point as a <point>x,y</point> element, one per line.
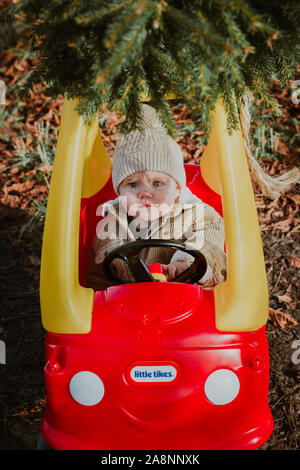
<point>148,372</point>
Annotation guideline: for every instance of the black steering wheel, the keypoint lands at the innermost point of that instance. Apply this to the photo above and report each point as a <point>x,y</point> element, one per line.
<point>130,253</point>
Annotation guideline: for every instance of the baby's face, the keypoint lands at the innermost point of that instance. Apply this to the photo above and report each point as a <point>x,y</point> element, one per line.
<point>148,194</point>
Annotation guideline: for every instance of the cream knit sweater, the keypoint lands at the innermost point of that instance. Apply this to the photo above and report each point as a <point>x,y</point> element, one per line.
<point>193,222</point>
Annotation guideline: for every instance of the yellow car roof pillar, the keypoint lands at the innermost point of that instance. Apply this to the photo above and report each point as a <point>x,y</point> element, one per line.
<point>209,164</point>
<point>241,303</point>
<point>97,163</point>
<point>65,305</point>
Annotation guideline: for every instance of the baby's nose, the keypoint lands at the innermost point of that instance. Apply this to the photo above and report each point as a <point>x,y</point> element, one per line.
<point>145,192</point>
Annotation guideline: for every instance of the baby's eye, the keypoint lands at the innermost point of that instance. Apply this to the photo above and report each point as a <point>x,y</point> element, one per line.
<point>132,184</point>
<point>157,183</point>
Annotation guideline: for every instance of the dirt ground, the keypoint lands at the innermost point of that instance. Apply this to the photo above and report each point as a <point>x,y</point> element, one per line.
<point>22,391</point>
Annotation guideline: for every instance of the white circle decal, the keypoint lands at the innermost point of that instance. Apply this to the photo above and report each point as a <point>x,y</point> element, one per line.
<point>86,388</point>
<point>222,386</point>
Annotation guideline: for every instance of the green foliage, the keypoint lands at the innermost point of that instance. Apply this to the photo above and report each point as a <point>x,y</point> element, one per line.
<point>112,52</point>
<point>44,149</point>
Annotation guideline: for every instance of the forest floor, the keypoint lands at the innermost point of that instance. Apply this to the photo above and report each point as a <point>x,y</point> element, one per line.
<point>28,132</point>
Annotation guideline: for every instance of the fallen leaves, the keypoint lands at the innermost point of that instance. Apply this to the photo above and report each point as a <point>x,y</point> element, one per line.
<point>286,298</point>
<point>281,319</point>
<point>34,260</point>
<point>294,261</point>
<point>21,188</point>
<point>285,224</point>
<point>18,187</point>
<point>276,217</point>
<point>295,198</point>
<point>281,214</point>
<point>281,147</point>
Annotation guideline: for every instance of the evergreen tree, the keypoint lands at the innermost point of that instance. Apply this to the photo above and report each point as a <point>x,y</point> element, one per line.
<point>112,52</point>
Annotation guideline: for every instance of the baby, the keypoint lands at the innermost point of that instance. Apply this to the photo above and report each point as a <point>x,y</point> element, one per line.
<point>154,203</point>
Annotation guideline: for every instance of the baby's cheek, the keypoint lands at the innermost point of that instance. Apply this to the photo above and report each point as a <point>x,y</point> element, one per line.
<point>169,196</point>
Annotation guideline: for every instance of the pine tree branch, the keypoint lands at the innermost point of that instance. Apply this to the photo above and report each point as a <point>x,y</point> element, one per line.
<point>256,21</point>
<point>235,32</point>
<point>102,12</point>
<point>132,42</point>
<point>109,52</point>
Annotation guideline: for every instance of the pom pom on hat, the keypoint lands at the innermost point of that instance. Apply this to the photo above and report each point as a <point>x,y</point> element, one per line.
<point>150,150</point>
<point>151,119</point>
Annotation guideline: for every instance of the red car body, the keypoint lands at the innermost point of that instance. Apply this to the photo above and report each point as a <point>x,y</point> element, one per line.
<point>154,356</point>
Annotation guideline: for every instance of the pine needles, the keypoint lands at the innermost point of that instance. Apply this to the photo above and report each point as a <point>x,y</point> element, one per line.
<point>113,52</point>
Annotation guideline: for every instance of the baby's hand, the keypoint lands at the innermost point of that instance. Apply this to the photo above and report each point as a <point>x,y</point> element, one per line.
<point>174,269</point>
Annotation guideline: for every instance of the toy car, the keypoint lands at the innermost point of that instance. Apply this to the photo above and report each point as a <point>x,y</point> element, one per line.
<point>152,364</point>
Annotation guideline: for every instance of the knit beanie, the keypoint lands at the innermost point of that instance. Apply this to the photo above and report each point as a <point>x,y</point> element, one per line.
<point>150,150</point>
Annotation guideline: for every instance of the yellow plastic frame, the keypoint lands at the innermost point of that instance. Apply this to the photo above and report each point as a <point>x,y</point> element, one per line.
<point>82,167</point>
